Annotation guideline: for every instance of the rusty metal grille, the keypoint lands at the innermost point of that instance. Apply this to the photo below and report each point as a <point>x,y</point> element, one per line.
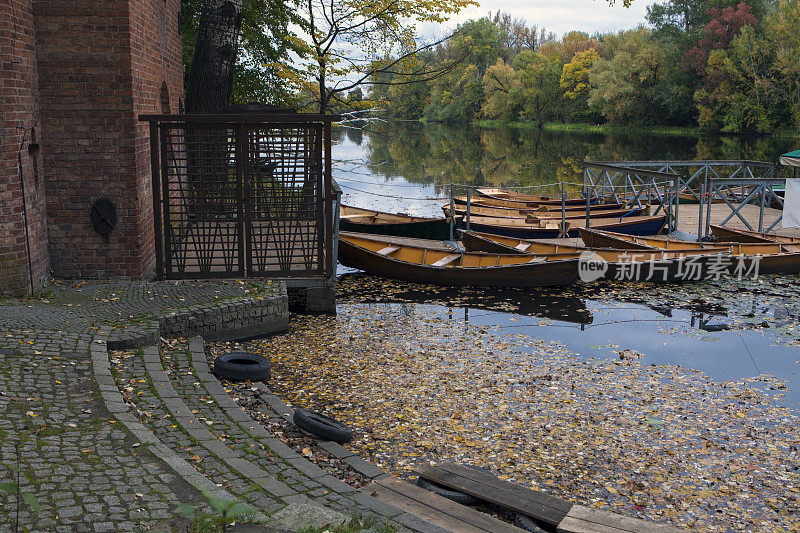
<point>242,199</point>
<point>284,181</point>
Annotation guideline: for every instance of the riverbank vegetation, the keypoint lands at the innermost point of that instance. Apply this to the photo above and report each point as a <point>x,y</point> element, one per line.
<point>720,65</point>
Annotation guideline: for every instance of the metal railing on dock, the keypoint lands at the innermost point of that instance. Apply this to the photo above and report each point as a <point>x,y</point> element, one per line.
<point>734,183</point>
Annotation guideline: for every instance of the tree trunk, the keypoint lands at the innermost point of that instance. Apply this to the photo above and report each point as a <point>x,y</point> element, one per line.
<point>210,79</point>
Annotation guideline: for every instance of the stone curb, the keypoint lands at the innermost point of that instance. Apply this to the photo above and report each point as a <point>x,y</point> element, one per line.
<point>367,469</point>
<point>116,405</point>
<point>231,319</point>
<point>207,440</point>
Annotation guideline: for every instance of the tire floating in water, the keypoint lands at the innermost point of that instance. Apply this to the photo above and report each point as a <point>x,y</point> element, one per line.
<point>322,426</point>
<point>242,366</point>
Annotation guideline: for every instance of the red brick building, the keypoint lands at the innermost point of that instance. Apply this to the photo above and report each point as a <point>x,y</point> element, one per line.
<point>74,76</point>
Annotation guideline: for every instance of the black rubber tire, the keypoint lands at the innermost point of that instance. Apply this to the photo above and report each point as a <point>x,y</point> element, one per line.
<point>322,426</point>
<point>450,494</point>
<point>242,366</point>
<point>527,523</point>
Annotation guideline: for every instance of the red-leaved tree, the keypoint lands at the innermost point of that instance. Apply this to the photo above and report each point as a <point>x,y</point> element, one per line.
<point>725,24</point>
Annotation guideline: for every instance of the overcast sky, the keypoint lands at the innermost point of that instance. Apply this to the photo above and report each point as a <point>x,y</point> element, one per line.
<point>560,16</point>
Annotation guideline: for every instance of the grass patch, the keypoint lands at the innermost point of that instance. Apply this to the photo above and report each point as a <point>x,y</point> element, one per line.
<point>692,131</point>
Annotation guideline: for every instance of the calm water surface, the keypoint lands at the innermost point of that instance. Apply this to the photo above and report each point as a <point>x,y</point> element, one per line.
<point>406,168</point>
<point>401,166</point>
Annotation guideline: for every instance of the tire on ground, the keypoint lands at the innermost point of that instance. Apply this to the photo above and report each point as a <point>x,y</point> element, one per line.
<point>322,426</point>
<point>450,494</point>
<point>242,366</point>
<point>527,523</point>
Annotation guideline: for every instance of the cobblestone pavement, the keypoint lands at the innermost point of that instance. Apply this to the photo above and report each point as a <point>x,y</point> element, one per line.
<point>127,308</point>
<point>189,410</point>
<point>117,441</point>
<point>85,468</point>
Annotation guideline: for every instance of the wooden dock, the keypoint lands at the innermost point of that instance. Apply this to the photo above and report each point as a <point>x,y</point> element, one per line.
<point>549,512</point>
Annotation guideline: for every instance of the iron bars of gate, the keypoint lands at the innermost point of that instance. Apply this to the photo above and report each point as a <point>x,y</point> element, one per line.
<point>243,195</point>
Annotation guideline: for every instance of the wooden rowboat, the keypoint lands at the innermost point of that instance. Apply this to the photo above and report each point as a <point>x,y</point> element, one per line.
<point>485,242</point>
<point>772,257</point>
<point>624,265</point>
<point>399,224</point>
<point>482,201</point>
<point>496,212</point>
<point>422,265</point>
<point>513,197</point>
<point>742,235</point>
<point>549,229</point>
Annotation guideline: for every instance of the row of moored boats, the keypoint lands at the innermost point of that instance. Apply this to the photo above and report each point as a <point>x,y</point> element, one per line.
<point>503,246</point>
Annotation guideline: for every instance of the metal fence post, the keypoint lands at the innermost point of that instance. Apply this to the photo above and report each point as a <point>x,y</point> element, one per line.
<point>563,210</point>
<point>588,210</point>
<point>469,201</point>
<point>761,210</point>
<point>452,213</point>
<point>708,209</point>
<point>701,204</point>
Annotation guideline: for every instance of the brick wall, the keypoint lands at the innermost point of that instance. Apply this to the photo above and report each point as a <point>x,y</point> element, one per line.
<point>20,133</point>
<point>157,72</point>
<point>101,63</point>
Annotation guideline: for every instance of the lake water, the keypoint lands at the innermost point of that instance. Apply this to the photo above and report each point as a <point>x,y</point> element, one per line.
<point>402,166</point>
<point>728,333</point>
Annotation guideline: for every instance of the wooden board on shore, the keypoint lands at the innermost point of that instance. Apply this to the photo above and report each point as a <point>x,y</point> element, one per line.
<point>436,509</point>
<point>487,487</point>
<point>563,515</point>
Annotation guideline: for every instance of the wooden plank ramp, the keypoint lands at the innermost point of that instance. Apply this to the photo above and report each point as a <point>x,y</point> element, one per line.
<point>436,509</point>
<point>564,516</point>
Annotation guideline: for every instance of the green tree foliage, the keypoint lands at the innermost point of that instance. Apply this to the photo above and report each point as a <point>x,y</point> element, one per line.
<point>501,85</point>
<point>624,85</point>
<point>722,64</point>
<point>539,78</point>
<point>457,95</point>
<point>265,41</point>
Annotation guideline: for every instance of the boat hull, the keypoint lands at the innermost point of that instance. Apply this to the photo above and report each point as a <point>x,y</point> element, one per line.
<point>734,235</point>
<point>438,230</point>
<point>642,226</point>
<point>538,274</point>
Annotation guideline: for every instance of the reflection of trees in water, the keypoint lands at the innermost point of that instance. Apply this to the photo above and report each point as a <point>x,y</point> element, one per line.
<point>438,153</point>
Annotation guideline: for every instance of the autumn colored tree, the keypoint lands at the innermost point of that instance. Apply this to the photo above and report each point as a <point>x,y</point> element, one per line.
<point>725,24</point>
<point>753,85</point>
<point>348,42</point>
<point>565,49</point>
<point>575,74</point>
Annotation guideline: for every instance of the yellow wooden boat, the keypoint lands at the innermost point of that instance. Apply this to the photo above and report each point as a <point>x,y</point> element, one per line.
<point>772,258</point>
<point>541,213</point>
<point>423,265</point>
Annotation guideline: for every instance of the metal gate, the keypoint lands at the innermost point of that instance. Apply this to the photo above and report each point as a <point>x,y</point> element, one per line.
<point>238,196</point>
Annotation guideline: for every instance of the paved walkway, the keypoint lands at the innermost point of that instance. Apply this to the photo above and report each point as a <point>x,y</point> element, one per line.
<point>116,439</point>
